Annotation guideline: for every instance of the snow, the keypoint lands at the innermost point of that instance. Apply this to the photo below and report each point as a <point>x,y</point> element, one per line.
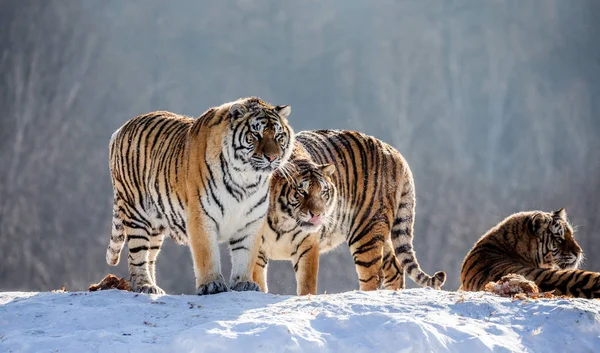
<point>412,320</point>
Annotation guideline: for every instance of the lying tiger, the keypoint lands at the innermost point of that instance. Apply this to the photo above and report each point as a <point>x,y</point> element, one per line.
<point>343,186</point>
<point>538,245</point>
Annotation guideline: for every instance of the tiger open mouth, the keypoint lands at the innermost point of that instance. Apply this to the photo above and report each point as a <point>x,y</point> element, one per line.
<point>313,223</point>
<point>309,226</point>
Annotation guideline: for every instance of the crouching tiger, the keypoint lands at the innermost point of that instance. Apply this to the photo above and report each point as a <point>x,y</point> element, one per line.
<point>538,245</point>
<point>343,186</point>
<point>199,181</point>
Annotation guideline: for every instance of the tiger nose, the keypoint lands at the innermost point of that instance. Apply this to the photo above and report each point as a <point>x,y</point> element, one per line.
<point>270,156</point>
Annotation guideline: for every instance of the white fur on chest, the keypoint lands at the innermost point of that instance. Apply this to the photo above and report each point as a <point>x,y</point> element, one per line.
<point>237,214</point>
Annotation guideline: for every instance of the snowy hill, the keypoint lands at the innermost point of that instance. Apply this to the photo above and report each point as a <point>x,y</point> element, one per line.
<point>414,320</point>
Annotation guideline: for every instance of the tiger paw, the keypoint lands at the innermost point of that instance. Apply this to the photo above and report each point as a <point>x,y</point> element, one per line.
<point>213,287</point>
<point>149,289</point>
<point>244,286</point>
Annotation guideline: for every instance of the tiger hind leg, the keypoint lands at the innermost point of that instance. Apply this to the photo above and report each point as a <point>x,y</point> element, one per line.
<point>392,271</point>
<point>156,239</point>
<point>367,252</point>
<point>139,243</point>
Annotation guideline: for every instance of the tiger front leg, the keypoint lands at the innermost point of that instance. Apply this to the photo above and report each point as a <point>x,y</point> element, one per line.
<point>205,254</point>
<point>306,265</point>
<point>244,248</point>
<point>260,271</point>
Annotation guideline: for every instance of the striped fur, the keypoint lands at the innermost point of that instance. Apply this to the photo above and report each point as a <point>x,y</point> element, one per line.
<point>300,194</point>
<point>373,212</point>
<point>200,182</point>
<point>537,245</point>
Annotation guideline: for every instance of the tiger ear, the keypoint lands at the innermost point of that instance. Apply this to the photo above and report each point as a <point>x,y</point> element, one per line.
<point>327,170</point>
<point>562,214</point>
<point>283,110</point>
<point>237,111</point>
<point>536,223</point>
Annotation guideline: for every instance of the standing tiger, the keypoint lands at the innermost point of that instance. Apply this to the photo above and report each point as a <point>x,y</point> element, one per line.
<point>538,245</point>
<point>199,181</point>
<point>369,202</point>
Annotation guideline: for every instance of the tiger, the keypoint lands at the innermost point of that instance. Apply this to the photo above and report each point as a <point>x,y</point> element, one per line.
<point>341,186</point>
<point>538,245</point>
<point>199,181</point>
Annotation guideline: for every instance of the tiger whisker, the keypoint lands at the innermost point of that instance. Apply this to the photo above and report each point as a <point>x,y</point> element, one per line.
<point>286,168</point>
<point>285,173</point>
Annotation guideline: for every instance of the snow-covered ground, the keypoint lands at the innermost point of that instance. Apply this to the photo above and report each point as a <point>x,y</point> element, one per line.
<point>413,320</point>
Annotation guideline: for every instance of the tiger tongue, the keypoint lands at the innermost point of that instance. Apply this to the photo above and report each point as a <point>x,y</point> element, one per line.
<point>315,220</point>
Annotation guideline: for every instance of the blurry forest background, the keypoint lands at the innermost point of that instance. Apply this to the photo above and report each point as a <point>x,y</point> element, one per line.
<point>495,105</point>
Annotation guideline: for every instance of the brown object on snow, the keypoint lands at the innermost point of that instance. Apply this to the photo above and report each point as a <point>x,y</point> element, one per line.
<point>61,290</point>
<point>111,282</point>
<point>513,285</point>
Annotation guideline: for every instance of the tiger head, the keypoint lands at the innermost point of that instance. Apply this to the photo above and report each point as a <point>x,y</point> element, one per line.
<point>304,196</point>
<point>261,135</point>
<point>556,246</point>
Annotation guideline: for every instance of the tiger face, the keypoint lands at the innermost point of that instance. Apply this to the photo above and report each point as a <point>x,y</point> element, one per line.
<point>262,137</point>
<point>306,198</point>
<point>556,244</point>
